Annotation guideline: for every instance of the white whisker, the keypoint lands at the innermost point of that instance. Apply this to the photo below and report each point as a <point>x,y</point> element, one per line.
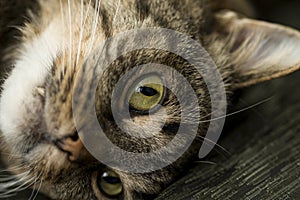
<point>205,162</point>
<point>81,33</point>
<point>36,192</point>
<point>33,191</point>
<point>70,33</point>
<point>9,177</point>
<point>14,168</point>
<point>12,184</point>
<point>239,111</point>
<point>64,34</point>
<point>19,185</point>
<point>117,11</point>
<point>87,13</point>
<point>94,26</point>
<point>212,143</point>
<point>84,22</point>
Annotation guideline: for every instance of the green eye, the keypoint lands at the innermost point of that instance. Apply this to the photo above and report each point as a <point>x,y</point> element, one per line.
<point>110,184</point>
<point>147,94</point>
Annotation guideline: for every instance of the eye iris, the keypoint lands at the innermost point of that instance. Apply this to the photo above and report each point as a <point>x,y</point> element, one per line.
<point>110,184</point>
<point>147,94</point>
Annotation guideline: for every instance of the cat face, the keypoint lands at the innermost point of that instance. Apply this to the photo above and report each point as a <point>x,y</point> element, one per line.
<point>57,62</point>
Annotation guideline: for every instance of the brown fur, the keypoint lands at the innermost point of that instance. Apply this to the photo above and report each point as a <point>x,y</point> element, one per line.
<point>222,36</point>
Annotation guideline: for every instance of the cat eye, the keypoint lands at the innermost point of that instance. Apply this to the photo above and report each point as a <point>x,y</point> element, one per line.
<point>147,94</point>
<point>110,184</point>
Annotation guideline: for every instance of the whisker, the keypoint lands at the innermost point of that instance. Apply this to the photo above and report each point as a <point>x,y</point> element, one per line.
<point>38,190</point>
<point>239,111</point>
<point>6,178</point>
<point>70,33</point>
<point>35,192</point>
<point>10,154</point>
<point>254,110</point>
<point>85,20</point>
<point>212,143</point>
<point>205,162</point>
<point>18,176</point>
<point>21,182</point>
<point>87,13</point>
<point>19,185</point>
<point>94,25</point>
<point>11,184</point>
<point>113,21</point>
<point>81,33</point>
<point>64,33</point>
<point>117,11</point>
<point>16,167</point>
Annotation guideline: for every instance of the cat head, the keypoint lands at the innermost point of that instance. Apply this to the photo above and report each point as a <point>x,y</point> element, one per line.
<point>59,82</point>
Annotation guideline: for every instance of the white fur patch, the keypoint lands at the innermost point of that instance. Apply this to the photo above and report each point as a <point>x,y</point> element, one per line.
<point>29,72</point>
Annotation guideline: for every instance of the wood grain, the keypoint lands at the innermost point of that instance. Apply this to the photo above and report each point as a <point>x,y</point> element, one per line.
<point>265,151</point>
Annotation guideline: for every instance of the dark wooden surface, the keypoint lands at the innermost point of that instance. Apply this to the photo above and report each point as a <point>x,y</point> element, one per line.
<point>264,146</point>
<point>263,142</point>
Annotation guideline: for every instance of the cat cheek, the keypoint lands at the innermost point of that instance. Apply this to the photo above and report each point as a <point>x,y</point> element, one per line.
<point>19,104</point>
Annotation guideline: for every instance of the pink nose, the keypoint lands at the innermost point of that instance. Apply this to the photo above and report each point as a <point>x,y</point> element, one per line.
<point>73,146</point>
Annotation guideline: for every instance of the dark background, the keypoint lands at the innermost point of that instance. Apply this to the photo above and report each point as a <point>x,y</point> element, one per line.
<point>263,142</point>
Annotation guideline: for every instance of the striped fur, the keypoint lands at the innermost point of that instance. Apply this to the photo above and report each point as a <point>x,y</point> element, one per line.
<point>61,36</point>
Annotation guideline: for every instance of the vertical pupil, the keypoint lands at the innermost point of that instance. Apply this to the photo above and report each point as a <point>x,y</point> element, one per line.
<point>112,180</point>
<point>147,91</point>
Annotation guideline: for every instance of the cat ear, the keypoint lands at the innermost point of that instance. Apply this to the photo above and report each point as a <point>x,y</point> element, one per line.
<point>258,51</point>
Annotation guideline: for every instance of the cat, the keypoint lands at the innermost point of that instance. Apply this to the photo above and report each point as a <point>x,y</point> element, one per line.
<point>40,140</point>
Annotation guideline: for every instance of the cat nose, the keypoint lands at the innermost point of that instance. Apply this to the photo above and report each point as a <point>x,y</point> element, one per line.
<point>73,146</point>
